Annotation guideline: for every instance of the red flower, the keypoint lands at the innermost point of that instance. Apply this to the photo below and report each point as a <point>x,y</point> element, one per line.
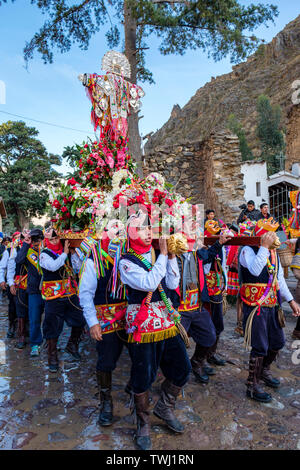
<point>70,199</point>
<point>65,200</point>
<point>86,146</point>
<point>116,204</point>
<point>169,202</point>
<point>68,215</point>
<point>64,209</point>
<point>155,200</point>
<point>56,204</point>
<point>72,181</point>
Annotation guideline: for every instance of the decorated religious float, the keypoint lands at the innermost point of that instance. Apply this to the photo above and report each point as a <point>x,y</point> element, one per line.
<point>107,185</point>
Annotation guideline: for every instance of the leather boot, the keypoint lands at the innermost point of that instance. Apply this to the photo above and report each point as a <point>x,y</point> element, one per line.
<point>142,437</point>
<point>106,404</point>
<point>73,343</point>
<point>11,330</point>
<point>164,408</point>
<point>21,334</point>
<point>214,358</point>
<point>239,328</point>
<point>296,334</point>
<point>266,375</point>
<point>254,390</point>
<point>197,362</point>
<point>52,354</point>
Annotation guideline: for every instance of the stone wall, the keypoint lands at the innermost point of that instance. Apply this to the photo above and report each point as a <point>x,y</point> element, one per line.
<point>209,172</point>
<point>293,137</point>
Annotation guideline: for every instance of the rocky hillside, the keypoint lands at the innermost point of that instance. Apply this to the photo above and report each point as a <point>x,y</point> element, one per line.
<point>271,71</point>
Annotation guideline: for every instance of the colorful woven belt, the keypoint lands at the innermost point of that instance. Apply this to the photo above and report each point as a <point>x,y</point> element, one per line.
<point>251,294</point>
<point>58,289</point>
<point>191,301</point>
<point>21,281</point>
<point>106,312</point>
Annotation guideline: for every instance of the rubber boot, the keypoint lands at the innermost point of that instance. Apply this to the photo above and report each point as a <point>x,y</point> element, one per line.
<point>21,334</point>
<point>106,404</point>
<point>52,355</point>
<point>73,343</point>
<point>214,358</point>
<point>141,404</point>
<point>197,362</point>
<point>164,408</point>
<point>266,375</point>
<point>254,390</point>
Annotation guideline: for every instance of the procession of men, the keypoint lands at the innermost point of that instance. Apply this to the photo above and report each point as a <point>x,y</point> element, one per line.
<point>165,302</point>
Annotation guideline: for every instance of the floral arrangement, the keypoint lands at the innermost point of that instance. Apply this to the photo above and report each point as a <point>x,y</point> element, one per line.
<point>100,160</point>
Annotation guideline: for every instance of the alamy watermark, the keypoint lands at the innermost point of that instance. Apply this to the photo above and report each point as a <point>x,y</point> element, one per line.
<point>2,92</point>
<point>2,352</point>
<point>296,353</point>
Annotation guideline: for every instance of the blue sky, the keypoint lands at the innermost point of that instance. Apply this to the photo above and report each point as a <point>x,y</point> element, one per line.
<point>53,93</point>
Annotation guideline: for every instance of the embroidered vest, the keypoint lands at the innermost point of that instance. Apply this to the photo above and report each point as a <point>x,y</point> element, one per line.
<point>60,283</point>
<point>106,306</point>
<point>158,324</point>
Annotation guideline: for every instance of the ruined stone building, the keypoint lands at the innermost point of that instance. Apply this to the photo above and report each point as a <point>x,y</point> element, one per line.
<point>196,152</point>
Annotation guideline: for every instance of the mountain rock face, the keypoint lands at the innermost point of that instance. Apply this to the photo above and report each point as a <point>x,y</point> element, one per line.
<point>270,71</point>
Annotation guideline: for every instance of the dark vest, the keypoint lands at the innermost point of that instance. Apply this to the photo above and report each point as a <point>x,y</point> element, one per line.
<point>53,275</point>
<point>102,294</point>
<point>137,296</point>
<point>21,268</point>
<point>248,278</point>
<point>34,277</point>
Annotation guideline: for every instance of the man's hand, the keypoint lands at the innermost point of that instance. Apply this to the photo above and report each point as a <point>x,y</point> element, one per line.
<point>163,246</point>
<point>224,238</point>
<point>27,238</point>
<point>268,239</point>
<point>3,285</point>
<point>96,332</point>
<point>67,247</point>
<point>295,307</point>
<point>13,290</point>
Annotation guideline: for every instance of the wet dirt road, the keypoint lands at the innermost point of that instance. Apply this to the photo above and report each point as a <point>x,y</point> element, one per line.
<point>39,410</point>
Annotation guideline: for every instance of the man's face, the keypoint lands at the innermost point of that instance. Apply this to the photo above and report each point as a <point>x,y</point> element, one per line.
<point>211,215</point>
<point>145,234</point>
<point>265,210</point>
<point>250,207</point>
<point>36,243</point>
<point>54,240</point>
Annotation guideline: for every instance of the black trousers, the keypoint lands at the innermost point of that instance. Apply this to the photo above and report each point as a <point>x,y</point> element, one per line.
<point>58,311</point>
<point>12,312</point>
<point>109,350</point>
<point>199,325</point>
<point>169,354</point>
<point>22,303</point>
<point>266,331</point>
<point>217,312</point>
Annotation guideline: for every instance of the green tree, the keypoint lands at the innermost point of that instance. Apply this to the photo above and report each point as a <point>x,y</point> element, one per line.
<point>219,27</point>
<point>236,127</point>
<point>25,172</point>
<point>270,134</point>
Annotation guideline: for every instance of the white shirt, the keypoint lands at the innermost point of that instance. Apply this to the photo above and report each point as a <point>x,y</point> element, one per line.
<point>256,263</point>
<point>138,278</point>
<point>51,264</point>
<point>3,265</point>
<point>87,289</point>
<point>11,268</point>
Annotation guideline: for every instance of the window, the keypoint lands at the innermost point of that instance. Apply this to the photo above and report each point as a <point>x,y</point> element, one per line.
<point>258,189</point>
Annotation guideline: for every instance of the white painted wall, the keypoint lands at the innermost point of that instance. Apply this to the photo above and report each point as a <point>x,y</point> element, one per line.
<point>255,172</point>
